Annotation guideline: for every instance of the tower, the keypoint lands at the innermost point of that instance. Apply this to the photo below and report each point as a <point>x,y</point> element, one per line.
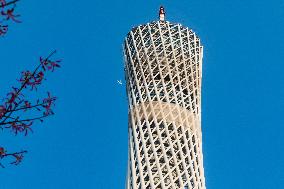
<point>163,67</point>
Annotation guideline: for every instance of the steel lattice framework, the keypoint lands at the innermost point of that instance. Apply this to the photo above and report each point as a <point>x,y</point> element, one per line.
<point>163,73</point>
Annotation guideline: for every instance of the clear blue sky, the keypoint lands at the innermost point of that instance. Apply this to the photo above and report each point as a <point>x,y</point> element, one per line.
<point>85,144</point>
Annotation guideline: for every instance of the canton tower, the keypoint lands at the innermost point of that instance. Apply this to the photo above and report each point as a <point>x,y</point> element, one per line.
<point>163,67</point>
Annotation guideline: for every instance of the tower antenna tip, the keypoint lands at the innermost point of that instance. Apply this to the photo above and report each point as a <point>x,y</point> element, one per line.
<point>162,13</point>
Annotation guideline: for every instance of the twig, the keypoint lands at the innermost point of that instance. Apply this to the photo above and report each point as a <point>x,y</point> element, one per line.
<point>23,86</point>
<point>9,3</point>
<point>24,108</point>
<point>23,120</point>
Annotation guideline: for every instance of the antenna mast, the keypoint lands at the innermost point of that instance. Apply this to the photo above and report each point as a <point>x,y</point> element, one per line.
<point>162,13</point>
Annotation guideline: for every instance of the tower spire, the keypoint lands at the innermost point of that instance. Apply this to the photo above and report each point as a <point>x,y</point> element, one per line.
<point>162,13</point>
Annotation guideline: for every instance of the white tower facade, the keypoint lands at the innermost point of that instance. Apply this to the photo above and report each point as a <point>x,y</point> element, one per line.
<point>163,66</point>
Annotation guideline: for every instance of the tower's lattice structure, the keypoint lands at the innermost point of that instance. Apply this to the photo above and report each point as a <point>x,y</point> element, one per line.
<point>163,72</point>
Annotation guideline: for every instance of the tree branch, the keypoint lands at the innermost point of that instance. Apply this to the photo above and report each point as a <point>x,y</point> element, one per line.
<point>9,111</point>
<point>9,3</point>
<point>23,120</point>
<point>25,108</point>
<point>16,153</point>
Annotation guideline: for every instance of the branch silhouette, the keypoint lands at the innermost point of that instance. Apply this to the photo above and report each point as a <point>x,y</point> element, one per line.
<point>18,114</point>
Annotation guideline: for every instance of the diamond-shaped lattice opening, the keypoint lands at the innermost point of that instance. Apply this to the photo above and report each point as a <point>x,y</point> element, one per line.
<point>181,168</point>
<point>157,143</point>
<point>156,180</point>
<point>159,152</point>
<point>174,173</point>
<point>167,181</point>
<point>177,183</point>
<point>166,143</point>
<point>154,169</point>
<point>164,170</point>
<point>182,141</point>
<point>184,151</point>
<point>150,151</point>
<point>162,160</point>
<point>192,183</point>
<point>171,163</point>
<point>169,154</point>
<point>173,137</point>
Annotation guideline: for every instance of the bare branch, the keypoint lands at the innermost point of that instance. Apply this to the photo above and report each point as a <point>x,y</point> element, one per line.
<point>9,111</point>
<point>26,108</point>
<point>18,156</point>
<point>9,3</point>
<point>23,120</point>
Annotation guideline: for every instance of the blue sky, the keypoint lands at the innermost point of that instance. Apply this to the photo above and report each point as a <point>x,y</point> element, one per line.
<point>85,144</point>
